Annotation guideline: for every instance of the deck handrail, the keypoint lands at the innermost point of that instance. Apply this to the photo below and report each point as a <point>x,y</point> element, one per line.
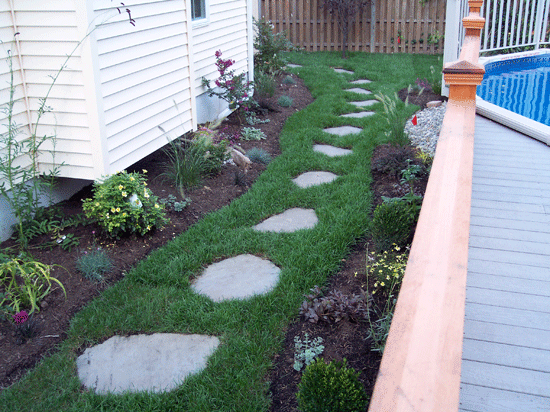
<point>420,368</point>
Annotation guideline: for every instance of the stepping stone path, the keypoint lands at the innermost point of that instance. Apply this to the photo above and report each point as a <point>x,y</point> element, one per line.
<point>314,178</point>
<point>293,66</point>
<point>155,363</point>
<point>289,221</point>
<point>359,90</point>
<point>343,130</point>
<point>358,115</point>
<point>239,277</point>
<point>343,71</point>
<point>331,151</point>
<point>160,362</point>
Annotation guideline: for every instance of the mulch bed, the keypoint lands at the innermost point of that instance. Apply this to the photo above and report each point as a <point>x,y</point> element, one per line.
<point>344,339</point>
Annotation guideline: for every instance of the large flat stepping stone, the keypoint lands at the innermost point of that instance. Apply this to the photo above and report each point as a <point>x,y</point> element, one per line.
<point>331,151</point>
<point>364,103</point>
<point>343,71</point>
<point>314,179</point>
<point>359,115</point>
<point>359,90</point>
<point>361,81</point>
<point>156,363</point>
<point>343,130</point>
<point>290,220</point>
<point>239,277</point>
<point>293,66</point>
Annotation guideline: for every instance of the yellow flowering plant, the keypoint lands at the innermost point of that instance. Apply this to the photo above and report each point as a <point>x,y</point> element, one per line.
<point>122,204</point>
<point>387,268</point>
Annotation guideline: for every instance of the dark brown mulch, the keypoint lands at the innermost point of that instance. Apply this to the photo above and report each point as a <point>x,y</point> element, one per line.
<point>344,339</point>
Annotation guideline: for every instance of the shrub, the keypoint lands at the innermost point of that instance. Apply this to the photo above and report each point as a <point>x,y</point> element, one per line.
<point>269,46</point>
<point>289,80</point>
<point>285,101</point>
<point>251,133</point>
<point>393,223</point>
<point>24,283</point>
<point>306,350</point>
<point>264,84</point>
<point>94,264</point>
<point>258,155</point>
<point>331,387</point>
<point>123,204</point>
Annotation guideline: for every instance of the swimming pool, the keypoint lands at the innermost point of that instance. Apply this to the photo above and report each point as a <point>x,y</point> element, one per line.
<point>516,92</point>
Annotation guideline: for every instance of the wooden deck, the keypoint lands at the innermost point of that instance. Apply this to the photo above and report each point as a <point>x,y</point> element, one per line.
<point>506,347</point>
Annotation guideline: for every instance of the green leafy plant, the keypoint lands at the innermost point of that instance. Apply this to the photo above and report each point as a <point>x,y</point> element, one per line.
<point>171,203</point>
<point>435,80</point>
<point>285,101</point>
<point>94,264</point>
<point>289,80</point>
<point>25,327</point>
<point>269,48</point>
<point>24,284</point>
<point>251,133</point>
<point>306,350</point>
<point>393,222</point>
<point>395,119</point>
<point>334,307</point>
<point>331,387</point>
<point>123,204</point>
<point>264,84</point>
<point>253,119</point>
<point>258,155</point>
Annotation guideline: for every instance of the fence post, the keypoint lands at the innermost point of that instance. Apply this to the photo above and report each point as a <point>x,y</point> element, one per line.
<point>451,49</point>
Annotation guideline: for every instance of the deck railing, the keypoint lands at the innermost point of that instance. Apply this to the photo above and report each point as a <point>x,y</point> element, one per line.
<point>420,369</point>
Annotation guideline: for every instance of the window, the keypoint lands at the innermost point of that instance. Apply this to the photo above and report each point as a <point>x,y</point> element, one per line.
<point>198,9</point>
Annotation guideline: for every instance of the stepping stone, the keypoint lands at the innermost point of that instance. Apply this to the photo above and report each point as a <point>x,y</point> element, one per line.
<point>343,130</point>
<point>343,71</point>
<point>293,66</point>
<point>365,103</point>
<point>156,363</point>
<point>359,90</point>
<point>361,81</point>
<point>331,151</point>
<point>239,277</point>
<point>290,220</point>
<point>314,178</point>
<point>358,115</point>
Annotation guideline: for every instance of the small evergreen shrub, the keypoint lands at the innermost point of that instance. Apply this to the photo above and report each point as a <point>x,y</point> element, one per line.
<point>393,223</point>
<point>123,204</point>
<point>331,387</point>
<point>289,80</point>
<point>269,47</point>
<point>285,101</point>
<point>258,155</point>
<point>94,264</point>
<point>264,84</point>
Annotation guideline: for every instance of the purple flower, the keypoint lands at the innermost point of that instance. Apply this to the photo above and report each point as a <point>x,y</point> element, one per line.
<point>218,53</point>
<point>21,317</point>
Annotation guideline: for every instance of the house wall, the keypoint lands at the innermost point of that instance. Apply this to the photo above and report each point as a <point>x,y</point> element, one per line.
<point>228,27</point>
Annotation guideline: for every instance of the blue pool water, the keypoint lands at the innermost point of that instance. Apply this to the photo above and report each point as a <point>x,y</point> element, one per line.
<point>520,85</point>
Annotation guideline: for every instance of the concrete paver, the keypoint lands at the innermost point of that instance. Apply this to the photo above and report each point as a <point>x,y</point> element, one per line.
<point>343,130</point>
<point>314,178</point>
<point>290,220</point>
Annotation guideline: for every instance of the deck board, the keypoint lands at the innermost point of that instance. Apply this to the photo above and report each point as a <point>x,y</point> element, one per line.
<point>506,347</point>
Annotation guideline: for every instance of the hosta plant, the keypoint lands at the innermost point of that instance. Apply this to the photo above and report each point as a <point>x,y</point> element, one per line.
<point>123,204</point>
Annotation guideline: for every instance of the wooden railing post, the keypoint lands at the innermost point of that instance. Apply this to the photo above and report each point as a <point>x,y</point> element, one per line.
<point>420,369</point>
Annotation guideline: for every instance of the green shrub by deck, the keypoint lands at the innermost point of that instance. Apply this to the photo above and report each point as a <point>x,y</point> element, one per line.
<point>393,223</point>
<point>331,387</point>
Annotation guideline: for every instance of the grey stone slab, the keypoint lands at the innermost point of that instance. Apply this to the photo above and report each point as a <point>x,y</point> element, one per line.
<point>290,220</point>
<point>156,363</point>
<point>239,277</point>
<point>314,178</point>
<point>359,115</point>
<point>293,66</point>
<point>364,103</point>
<point>358,90</point>
<point>361,81</point>
<point>343,130</point>
<point>343,71</point>
<point>331,151</point>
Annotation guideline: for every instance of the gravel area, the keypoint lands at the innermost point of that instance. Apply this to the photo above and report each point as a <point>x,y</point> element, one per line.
<point>425,134</point>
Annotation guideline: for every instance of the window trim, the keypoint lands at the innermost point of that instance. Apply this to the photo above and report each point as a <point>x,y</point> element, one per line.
<point>201,21</point>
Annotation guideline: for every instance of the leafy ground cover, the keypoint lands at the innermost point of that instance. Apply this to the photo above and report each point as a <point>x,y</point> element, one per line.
<point>149,290</point>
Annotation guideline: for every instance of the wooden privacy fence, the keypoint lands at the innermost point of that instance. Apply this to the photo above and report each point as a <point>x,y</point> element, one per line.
<point>384,26</point>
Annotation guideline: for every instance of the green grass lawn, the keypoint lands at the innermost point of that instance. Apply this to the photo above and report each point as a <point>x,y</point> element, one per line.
<point>156,295</point>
